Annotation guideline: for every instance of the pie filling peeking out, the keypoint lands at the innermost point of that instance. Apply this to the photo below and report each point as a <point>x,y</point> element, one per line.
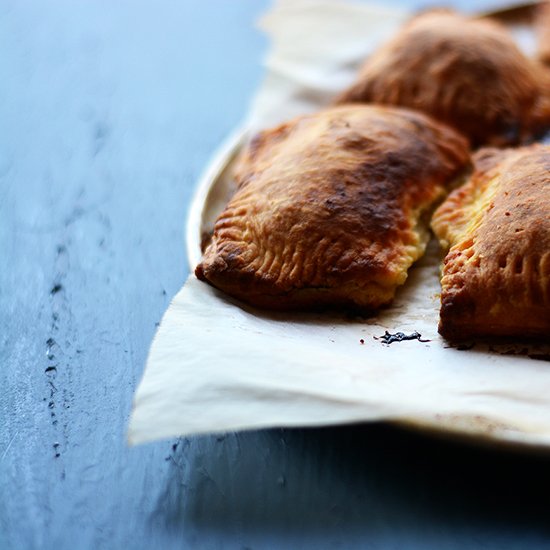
<point>496,275</point>
<point>331,208</point>
<point>467,73</point>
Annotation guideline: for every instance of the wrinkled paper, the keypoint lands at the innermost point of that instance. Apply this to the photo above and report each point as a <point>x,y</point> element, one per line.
<point>216,365</point>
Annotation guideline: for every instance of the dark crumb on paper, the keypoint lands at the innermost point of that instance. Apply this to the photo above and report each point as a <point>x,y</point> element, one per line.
<point>361,341</point>
<point>464,347</point>
<point>508,352</point>
<point>522,351</point>
<point>388,338</point>
<point>56,288</point>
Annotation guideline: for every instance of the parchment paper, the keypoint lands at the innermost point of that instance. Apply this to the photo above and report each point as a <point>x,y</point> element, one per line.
<point>216,365</point>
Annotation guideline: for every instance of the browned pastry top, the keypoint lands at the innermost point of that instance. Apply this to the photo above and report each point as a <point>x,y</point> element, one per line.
<point>327,207</point>
<point>542,26</point>
<point>496,276</point>
<point>467,73</point>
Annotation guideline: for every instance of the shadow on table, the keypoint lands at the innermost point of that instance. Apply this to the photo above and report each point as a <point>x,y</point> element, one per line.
<point>365,479</point>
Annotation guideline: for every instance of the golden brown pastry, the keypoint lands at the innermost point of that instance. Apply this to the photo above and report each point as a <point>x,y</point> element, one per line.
<point>329,208</point>
<point>496,276</point>
<point>464,72</point>
<point>542,25</point>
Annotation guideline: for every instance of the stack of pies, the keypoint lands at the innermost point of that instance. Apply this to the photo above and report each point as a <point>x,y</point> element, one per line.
<point>332,208</point>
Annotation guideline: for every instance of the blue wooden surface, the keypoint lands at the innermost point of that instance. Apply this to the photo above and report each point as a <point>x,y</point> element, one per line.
<point>108,113</point>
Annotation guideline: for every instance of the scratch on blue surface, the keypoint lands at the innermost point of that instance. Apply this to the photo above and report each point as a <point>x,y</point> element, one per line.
<point>8,446</point>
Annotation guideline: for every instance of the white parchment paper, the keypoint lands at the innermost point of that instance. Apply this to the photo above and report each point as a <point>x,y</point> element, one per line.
<point>216,365</point>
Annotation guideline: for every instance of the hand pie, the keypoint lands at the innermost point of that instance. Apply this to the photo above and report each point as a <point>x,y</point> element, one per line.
<point>464,72</point>
<point>496,276</point>
<point>329,208</point>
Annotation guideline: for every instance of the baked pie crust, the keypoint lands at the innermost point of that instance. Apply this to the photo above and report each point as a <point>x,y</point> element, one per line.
<point>465,72</point>
<point>330,207</point>
<point>542,25</point>
<point>496,275</point>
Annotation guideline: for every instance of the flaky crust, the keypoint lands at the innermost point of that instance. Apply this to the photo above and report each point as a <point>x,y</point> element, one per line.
<point>496,276</point>
<point>464,72</point>
<point>542,26</point>
<point>328,208</point>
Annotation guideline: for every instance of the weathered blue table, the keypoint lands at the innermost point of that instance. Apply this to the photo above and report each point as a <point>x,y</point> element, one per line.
<point>108,113</point>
